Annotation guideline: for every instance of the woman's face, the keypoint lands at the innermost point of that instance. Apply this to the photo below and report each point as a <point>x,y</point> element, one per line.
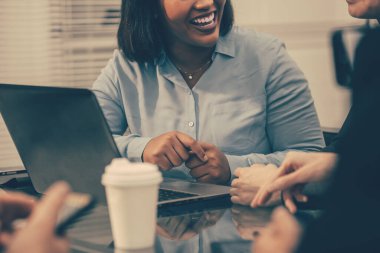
<point>364,8</point>
<point>193,22</point>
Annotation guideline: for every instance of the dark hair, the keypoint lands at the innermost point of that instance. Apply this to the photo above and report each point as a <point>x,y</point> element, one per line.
<point>140,35</point>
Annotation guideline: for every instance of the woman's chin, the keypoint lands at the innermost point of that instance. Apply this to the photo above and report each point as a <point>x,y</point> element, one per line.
<point>207,41</point>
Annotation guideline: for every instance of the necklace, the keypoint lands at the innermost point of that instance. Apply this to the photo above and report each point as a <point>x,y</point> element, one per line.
<point>191,74</point>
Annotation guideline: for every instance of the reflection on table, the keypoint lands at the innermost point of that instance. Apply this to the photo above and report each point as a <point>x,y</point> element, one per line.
<point>249,221</point>
<point>219,227</point>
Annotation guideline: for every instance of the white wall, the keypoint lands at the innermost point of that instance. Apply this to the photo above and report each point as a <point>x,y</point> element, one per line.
<point>305,26</point>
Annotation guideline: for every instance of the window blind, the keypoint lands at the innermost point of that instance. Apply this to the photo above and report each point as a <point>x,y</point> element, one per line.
<point>55,43</point>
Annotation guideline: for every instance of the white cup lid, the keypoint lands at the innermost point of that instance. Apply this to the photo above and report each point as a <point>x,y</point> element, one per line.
<point>121,172</point>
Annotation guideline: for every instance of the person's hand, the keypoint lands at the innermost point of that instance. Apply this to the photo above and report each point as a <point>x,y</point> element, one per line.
<point>249,221</point>
<point>248,182</point>
<point>298,169</point>
<point>171,149</point>
<point>38,235</point>
<point>187,226</point>
<point>13,206</point>
<point>216,170</point>
<point>281,235</point>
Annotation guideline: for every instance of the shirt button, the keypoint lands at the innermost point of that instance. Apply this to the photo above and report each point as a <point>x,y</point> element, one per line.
<point>191,124</point>
<point>189,92</point>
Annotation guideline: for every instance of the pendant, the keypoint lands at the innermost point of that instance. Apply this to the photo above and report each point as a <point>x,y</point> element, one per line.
<point>190,77</point>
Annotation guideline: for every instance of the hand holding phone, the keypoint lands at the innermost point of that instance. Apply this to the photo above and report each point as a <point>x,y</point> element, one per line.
<point>75,206</point>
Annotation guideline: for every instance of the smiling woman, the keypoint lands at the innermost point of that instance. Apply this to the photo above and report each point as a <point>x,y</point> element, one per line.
<point>198,27</point>
<point>142,25</point>
<point>189,91</point>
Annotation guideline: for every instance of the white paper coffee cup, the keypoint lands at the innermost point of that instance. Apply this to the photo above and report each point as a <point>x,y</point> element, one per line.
<point>132,193</point>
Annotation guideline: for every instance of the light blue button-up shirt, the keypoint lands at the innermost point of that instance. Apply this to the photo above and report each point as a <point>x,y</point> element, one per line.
<point>253,102</point>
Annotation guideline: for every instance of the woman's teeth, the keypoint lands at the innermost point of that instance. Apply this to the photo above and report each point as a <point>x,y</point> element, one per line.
<point>204,20</point>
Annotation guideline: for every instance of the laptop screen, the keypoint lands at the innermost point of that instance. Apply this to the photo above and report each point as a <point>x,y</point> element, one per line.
<point>60,134</point>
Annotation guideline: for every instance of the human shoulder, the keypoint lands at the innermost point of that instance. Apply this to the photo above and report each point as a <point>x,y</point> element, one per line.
<point>119,59</point>
<point>249,37</point>
<point>250,44</point>
<point>122,66</point>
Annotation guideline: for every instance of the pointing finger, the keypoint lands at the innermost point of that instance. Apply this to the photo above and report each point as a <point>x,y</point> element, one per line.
<point>193,145</point>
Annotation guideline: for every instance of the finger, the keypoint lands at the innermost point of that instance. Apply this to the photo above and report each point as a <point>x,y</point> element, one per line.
<point>284,169</point>
<point>173,157</point>
<point>285,182</point>
<point>266,191</point>
<point>236,200</point>
<point>205,179</point>
<point>239,183</point>
<point>164,164</point>
<point>290,163</point>
<point>17,198</point>
<point>255,203</point>
<point>301,176</point>
<point>46,212</point>
<point>180,149</point>
<point>14,206</point>
<point>194,162</point>
<point>233,191</point>
<point>298,195</point>
<point>288,201</point>
<point>193,145</point>
<point>246,187</point>
<point>235,183</point>
<point>199,172</point>
<point>261,198</point>
<point>246,197</point>
<point>238,172</point>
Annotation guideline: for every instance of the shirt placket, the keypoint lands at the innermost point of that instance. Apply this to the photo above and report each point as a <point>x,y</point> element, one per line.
<point>191,123</point>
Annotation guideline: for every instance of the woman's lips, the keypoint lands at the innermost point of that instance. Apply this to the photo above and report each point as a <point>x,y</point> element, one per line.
<point>205,22</point>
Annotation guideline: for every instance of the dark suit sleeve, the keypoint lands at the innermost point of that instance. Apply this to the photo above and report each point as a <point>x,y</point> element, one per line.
<point>351,222</point>
<point>334,145</point>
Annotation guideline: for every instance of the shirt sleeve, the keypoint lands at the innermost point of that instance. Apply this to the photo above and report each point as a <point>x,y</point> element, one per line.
<point>107,91</point>
<point>292,122</point>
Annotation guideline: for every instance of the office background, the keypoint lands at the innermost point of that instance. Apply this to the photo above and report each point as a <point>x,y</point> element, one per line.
<point>67,42</point>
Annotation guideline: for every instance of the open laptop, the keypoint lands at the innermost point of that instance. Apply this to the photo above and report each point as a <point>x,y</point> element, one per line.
<point>11,167</point>
<point>61,134</point>
<point>9,173</point>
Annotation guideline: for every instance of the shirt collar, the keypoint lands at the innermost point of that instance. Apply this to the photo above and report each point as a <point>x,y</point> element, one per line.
<point>225,46</point>
<point>161,58</point>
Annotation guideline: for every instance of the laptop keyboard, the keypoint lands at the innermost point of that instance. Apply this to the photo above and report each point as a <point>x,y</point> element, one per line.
<point>165,194</point>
